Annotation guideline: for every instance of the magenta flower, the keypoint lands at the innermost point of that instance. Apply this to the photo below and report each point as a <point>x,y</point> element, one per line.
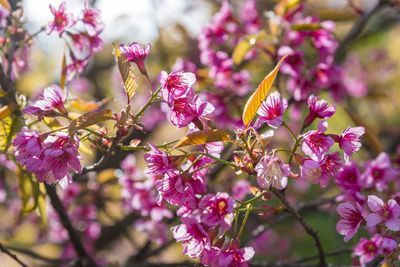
<point>51,98</point>
<point>172,189</point>
<point>193,235</point>
<point>330,165</point>
<point>272,110</point>
<point>271,171</point>
<point>60,157</point>
<point>241,189</point>
<point>134,52</point>
<point>293,63</point>
<point>349,178</point>
<point>235,257</point>
<point>61,20</point>
<point>383,212</point>
<point>310,170</point>
<point>77,66</point>
<point>351,219</point>
<point>388,244</point>
<point>379,172</point>
<point>217,210</point>
<point>189,108</point>
<point>157,162</point>
<point>317,109</point>
<point>368,249</point>
<point>91,19</point>
<point>316,144</point>
<point>28,149</point>
<point>349,140</point>
<point>175,84</point>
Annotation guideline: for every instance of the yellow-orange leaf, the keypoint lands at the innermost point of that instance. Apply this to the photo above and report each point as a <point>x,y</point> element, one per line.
<point>5,4</point>
<point>83,105</point>
<point>126,70</point>
<point>255,100</point>
<point>370,136</point>
<point>63,72</point>
<point>244,46</point>
<point>88,119</point>
<point>5,112</point>
<point>203,137</point>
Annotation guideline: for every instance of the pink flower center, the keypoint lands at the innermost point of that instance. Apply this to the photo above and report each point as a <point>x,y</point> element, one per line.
<point>222,207</point>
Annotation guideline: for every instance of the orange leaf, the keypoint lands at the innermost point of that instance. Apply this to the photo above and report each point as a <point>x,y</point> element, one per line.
<point>63,72</point>
<point>244,46</point>
<point>5,112</point>
<point>88,119</point>
<point>255,100</point>
<point>126,70</point>
<point>5,4</point>
<point>83,105</point>
<point>203,137</point>
<point>370,136</point>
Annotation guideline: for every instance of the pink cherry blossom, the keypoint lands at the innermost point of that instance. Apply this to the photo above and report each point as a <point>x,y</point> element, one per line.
<point>235,257</point>
<point>217,210</point>
<point>349,178</point>
<point>271,111</point>
<point>317,109</point>
<point>193,235</point>
<point>240,189</point>
<point>52,97</point>
<point>91,19</point>
<point>271,171</point>
<point>293,63</point>
<point>157,162</point>
<point>379,172</point>
<point>176,84</point>
<point>28,148</point>
<point>351,219</point>
<point>134,52</point>
<point>330,165</point>
<point>316,144</point>
<point>388,213</point>
<point>349,140</point>
<point>310,170</point>
<point>367,250</point>
<point>175,191</point>
<point>61,20</point>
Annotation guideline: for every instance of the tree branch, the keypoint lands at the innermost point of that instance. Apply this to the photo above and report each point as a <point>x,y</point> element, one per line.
<point>34,255</point>
<point>73,235</point>
<point>13,256</point>
<point>311,231</point>
<point>358,27</point>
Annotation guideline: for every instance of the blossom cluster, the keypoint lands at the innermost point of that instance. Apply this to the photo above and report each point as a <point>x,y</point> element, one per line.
<point>84,39</point>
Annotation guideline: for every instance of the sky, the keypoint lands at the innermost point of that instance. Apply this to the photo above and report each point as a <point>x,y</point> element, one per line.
<point>127,20</point>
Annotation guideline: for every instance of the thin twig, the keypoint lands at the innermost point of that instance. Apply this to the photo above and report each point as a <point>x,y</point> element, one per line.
<point>12,255</point>
<point>34,255</point>
<point>330,254</point>
<point>358,27</point>
<point>73,235</point>
<point>311,231</point>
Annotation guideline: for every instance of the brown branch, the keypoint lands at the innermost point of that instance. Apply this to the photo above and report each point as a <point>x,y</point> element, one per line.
<point>358,28</point>
<point>34,255</point>
<point>86,260</point>
<point>12,255</point>
<point>330,254</point>
<point>299,208</point>
<point>311,231</point>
